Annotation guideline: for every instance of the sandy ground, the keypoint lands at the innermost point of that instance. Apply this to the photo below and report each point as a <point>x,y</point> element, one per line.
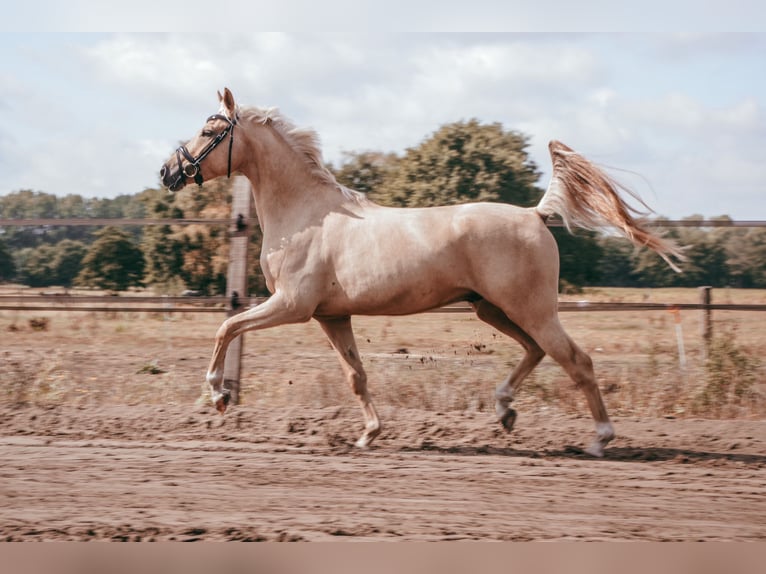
<point>183,472</point>
<point>98,444</point>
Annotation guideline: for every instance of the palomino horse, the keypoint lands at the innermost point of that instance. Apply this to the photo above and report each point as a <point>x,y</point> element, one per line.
<point>328,252</point>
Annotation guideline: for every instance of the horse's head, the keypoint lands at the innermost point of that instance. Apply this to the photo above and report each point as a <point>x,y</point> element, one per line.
<point>187,161</point>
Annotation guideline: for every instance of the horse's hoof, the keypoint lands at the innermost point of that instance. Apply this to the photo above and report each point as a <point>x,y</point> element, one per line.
<point>596,449</point>
<point>221,402</point>
<point>366,439</point>
<point>364,442</point>
<point>604,434</point>
<point>508,420</point>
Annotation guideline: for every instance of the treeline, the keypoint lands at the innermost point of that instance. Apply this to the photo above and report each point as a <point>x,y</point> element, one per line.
<point>461,162</point>
<point>167,258</point>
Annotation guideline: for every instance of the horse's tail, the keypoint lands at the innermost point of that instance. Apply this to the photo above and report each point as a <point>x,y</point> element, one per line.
<point>584,196</point>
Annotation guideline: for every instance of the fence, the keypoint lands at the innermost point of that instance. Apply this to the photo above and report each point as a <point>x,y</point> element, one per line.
<point>141,304</point>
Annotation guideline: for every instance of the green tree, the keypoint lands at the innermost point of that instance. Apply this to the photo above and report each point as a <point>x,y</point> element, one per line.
<point>706,260</point>
<point>113,261</point>
<point>205,259</point>
<point>161,244</point>
<point>651,270</point>
<point>7,265</point>
<point>366,171</point>
<point>746,257</point>
<point>615,267</point>
<point>72,205</point>
<point>27,204</point>
<point>47,265</point>
<point>463,162</point>
<point>68,257</point>
<point>579,255</point>
<point>36,266</point>
<point>205,248</point>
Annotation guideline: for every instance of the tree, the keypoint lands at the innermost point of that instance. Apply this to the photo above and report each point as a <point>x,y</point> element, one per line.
<point>579,255</point>
<point>161,246</point>
<point>463,162</point>
<point>7,265</point>
<point>706,261</point>
<point>36,266</point>
<point>366,171</point>
<point>47,265</point>
<point>204,248</point>
<point>113,262</point>
<point>746,254</point>
<point>205,259</point>
<point>27,204</point>
<point>67,259</point>
<point>615,267</point>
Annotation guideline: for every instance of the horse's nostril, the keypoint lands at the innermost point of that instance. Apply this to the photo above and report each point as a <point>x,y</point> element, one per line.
<point>163,172</point>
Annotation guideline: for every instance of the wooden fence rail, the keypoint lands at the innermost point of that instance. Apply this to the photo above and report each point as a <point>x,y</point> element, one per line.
<point>100,222</point>
<point>151,304</point>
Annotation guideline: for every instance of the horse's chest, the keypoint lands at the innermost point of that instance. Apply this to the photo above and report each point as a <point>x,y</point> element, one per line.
<point>285,258</point>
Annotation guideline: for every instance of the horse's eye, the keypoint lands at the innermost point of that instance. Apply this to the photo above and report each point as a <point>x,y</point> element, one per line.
<point>208,133</point>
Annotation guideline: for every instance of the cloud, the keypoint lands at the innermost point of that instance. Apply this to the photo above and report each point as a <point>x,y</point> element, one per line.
<point>154,66</point>
<point>104,112</point>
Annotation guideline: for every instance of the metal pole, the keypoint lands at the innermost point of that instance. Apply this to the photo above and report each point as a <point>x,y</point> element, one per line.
<point>679,338</point>
<point>236,280</point>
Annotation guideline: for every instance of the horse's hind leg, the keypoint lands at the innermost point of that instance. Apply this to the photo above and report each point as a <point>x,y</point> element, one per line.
<point>506,390</point>
<point>341,337</point>
<point>579,366</point>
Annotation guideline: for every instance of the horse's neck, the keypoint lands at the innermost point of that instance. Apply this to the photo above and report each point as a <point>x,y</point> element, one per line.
<point>288,197</point>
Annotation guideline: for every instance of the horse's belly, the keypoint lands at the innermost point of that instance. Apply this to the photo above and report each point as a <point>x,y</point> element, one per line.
<point>391,295</point>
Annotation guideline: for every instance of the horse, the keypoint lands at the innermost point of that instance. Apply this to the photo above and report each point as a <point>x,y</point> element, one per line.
<point>329,253</point>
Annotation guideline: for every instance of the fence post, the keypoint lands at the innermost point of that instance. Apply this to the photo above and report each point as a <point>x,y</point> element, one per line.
<point>236,279</point>
<point>706,320</point>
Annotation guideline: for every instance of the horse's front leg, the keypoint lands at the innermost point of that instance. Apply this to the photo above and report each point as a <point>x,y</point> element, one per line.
<point>277,310</point>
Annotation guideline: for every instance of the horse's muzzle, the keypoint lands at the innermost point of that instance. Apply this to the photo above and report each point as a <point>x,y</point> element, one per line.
<point>173,179</point>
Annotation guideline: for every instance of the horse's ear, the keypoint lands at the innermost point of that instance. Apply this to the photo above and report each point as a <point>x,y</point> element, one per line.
<point>228,102</point>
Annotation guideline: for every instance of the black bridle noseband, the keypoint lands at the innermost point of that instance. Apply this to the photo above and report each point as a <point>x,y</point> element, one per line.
<point>192,169</point>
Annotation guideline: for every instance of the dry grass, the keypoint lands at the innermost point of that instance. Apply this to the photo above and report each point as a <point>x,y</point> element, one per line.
<point>439,362</point>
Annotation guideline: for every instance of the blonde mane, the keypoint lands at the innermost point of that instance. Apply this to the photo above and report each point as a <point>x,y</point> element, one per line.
<point>304,141</point>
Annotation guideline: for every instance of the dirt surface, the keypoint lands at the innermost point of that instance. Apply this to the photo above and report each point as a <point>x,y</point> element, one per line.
<point>184,473</point>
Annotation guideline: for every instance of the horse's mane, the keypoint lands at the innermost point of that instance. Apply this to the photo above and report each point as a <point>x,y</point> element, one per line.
<point>304,141</point>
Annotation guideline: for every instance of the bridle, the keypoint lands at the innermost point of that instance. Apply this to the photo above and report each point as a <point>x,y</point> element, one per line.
<point>192,168</point>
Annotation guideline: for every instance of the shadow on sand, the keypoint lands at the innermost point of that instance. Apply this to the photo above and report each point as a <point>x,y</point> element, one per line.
<point>622,454</point>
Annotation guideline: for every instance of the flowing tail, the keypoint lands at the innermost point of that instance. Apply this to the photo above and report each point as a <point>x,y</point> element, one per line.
<point>584,196</point>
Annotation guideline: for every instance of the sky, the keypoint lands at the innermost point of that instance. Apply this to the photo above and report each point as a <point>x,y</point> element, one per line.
<point>679,117</point>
